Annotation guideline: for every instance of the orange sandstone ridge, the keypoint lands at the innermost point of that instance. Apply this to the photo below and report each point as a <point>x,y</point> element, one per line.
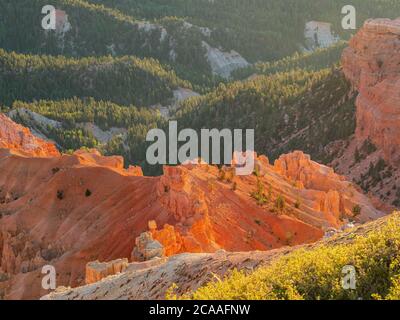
<point>372,64</point>
<point>69,210</point>
<point>19,139</point>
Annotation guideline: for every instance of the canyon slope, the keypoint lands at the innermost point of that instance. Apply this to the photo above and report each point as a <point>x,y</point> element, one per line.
<point>185,273</point>
<point>372,64</point>
<point>68,210</point>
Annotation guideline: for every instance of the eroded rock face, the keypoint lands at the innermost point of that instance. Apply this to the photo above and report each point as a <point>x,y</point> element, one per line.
<point>147,248</point>
<point>319,34</point>
<point>332,194</point>
<point>171,239</point>
<point>312,175</point>
<point>372,64</point>
<point>150,280</point>
<point>73,209</point>
<point>19,139</point>
<point>189,271</point>
<point>95,271</point>
<point>135,171</point>
<point>223,63</point>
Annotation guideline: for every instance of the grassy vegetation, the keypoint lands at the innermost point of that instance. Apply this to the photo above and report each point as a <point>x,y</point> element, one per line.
<point>317,273</point>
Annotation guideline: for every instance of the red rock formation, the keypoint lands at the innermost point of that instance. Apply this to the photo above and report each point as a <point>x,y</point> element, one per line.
<point>48,217</point>
<point>146,248</point>
<point>135,171</point>
<point>169,237</point>
<point>372,64</point>
<point>19,139</point>
<point>333,195</point>
<point>188,272</point>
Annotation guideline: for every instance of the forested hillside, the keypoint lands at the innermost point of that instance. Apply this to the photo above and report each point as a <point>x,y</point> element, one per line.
<point>258,29</point>
<point>117,130</point>
<point>313,61</point>
<point>291,110</point>
<point>96,30</point>
<point>125,80</point>
<point>290,104</point>
<point>121,56</point>
<point>173,31</point>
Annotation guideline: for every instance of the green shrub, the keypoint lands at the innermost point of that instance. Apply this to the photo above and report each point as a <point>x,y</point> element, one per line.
<point>316,273</point>
<point>259,194</point>
<point>60,194</point>
<point>280,203</point>
<point>356,210</point>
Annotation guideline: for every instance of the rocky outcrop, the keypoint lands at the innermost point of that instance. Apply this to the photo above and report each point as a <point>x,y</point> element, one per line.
<point>17,138</point>
<point>223,63</point>
<point>319,34</point>
<point>142,281</point>
<point>147,248</point>
<point>171,239</point>
<point>95,271</point>
<point>372,64</point>
<point>103,136</point>
<point>180,194</point>
<point>33,118</point>
<point>182,94</point>
<point>135,171</point>
<point>187,272</point>
<point>333,195</point>
<point>312,175</point>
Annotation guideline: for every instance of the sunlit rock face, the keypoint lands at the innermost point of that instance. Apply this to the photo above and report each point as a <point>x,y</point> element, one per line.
<point>69,210</point>
<point>19,139</point>
<point>372,64</point>
<point>95,271</point>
